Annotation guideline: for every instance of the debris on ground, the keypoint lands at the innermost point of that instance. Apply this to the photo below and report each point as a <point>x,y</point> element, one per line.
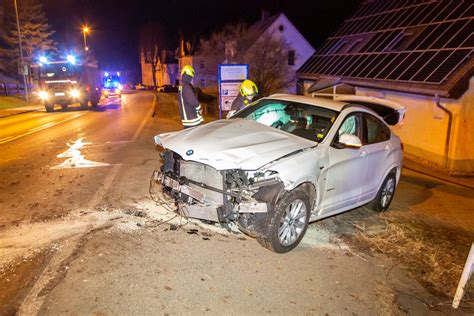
<point>136,213</point>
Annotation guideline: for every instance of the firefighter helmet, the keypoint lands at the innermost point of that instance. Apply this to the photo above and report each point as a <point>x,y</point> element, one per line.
<point>248,88</point>
<point>189,70</point>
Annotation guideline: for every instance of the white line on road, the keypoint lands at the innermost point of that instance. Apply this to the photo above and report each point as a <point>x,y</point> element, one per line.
<point>99,195</point>
<point>33,301</point>
<point>40,128</point>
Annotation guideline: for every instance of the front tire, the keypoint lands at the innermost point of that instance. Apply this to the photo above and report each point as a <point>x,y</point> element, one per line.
<point>49,107</point>
<point>287,223</point>
<point>84,104</point>
<point>384,196</point>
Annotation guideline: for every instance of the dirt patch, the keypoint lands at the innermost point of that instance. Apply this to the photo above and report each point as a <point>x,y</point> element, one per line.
<point>435,255</point>
<point>17,279</point>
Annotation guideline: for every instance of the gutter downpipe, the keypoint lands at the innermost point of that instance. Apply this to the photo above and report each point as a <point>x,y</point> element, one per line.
<point>448,133</point>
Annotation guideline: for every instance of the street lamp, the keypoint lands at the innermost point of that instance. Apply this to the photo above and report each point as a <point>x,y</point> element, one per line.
<point>85,31</point>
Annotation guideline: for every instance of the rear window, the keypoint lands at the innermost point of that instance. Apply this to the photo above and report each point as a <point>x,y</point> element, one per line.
<point>376,131</point>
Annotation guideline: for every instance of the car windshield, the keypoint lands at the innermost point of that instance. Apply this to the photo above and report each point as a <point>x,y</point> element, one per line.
<point>59,71</point>
<point>304,120</point>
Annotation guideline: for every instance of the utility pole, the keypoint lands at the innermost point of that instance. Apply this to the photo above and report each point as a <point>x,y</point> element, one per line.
<point>85,31</point>
<point>25,83</point>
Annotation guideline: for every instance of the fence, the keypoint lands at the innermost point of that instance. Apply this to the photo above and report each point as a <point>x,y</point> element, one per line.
<point>11,88</point>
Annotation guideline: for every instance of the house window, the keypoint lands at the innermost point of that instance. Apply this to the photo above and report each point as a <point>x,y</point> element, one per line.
<point>403,39</point>
<point>353,47</point>
<point>338,47</point>
<point>291,57</point>
<point>202,65</point>
<point>281,28</point>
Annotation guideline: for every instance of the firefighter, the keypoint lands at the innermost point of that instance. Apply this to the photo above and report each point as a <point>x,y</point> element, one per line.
<point>189,106</point>
<point>248,90</point>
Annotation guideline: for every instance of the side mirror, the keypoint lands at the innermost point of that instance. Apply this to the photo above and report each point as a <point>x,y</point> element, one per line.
<point>350,141</point>
<point>230,114</point>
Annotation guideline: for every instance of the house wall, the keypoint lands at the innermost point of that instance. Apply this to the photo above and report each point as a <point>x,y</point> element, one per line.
<point>303,49</point>
<point>423,132</point>
<point>166,74</point>
<point>146,74</point>
<point>205,72</point>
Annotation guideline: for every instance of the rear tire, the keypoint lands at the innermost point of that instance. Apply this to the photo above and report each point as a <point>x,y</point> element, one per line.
<point>287,222</point>
<point>64,106</point>
<point>84,105</point>
<point>384,196</point>
<point>94,103</point>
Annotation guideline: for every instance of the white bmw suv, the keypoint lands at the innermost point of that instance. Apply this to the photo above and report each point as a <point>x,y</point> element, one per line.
<point>284,162</point>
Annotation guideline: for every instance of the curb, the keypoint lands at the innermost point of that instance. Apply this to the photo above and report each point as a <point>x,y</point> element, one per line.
<point>440,178</point>
<point>19,113</point>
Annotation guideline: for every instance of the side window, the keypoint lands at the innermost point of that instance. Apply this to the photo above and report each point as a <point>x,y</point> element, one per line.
<point>376,131</point>
<point>351,125</point>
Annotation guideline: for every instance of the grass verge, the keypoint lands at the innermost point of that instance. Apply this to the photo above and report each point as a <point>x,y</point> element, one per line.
<point>435,255</point>
<point>10,102</point>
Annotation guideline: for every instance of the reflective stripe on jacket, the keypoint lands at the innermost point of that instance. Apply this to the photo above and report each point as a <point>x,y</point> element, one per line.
<point>189,107</point>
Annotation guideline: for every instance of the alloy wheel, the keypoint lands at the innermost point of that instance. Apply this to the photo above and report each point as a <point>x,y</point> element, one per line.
<point>292,223</point>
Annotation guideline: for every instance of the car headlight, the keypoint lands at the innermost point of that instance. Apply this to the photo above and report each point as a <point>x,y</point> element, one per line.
<point>117,91</point>
<point>74,93</point>
<point>43,95</point>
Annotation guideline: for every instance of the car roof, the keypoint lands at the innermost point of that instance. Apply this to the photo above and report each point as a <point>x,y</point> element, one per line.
<point>321,102</point>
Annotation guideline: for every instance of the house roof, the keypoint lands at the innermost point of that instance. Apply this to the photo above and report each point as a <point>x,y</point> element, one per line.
<point>262,25</point>
<point>417,46</point>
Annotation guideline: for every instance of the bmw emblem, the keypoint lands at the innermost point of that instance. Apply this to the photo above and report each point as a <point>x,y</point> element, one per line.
<point>190,152</point>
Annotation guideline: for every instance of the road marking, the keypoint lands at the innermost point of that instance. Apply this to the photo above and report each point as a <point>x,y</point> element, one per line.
<point>33,301</point>
<point>75,159</point>
<point>6,138</point>
<point>40,128</point>
<point>102,191</point>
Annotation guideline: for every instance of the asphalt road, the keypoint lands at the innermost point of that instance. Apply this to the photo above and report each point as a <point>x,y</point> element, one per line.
<point>80,235</point>
<point>37,185</point>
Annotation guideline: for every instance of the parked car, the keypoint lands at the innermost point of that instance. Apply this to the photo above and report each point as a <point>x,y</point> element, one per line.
<point>140,87</point>
<point>167,88</point>
<point>283,162</point>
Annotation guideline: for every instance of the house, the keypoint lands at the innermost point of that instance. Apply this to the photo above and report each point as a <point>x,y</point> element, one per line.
<point>278,26</point>
<point>167,69</point>
<point>417,53</point>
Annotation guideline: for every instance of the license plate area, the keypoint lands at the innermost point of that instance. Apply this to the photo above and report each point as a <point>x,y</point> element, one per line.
<point>185,189</point>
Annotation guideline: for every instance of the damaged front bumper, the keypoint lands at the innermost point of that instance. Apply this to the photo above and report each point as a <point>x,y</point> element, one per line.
<point>220,196</point>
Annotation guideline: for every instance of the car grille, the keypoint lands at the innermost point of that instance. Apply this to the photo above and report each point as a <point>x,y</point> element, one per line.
<point>205,174</point>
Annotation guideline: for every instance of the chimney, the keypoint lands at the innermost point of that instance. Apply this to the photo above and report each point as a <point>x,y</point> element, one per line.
<point>265,14</point>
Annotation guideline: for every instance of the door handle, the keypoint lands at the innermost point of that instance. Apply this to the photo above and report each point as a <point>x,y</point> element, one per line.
<point>363,154</point>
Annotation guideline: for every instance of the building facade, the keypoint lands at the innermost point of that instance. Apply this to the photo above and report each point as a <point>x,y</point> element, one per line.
<point>166,72</point>
<point>417,53</point>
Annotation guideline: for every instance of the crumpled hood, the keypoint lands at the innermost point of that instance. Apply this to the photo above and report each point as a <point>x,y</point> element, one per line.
<point>234,143</point>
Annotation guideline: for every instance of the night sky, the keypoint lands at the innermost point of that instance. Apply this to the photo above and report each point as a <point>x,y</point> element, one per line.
<point>116,23</point>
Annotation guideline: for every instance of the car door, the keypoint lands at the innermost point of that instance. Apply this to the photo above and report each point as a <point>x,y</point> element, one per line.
<point>346,168</point>
<point>376,138</point>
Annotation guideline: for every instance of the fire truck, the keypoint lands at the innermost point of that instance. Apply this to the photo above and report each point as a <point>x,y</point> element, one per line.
<point>66,82</point>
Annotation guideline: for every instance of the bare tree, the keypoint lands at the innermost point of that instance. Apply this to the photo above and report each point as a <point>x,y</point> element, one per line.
<point>267,55</point>
<point>268,60</point>
<point>36,33</point>
<point>151,43</point>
